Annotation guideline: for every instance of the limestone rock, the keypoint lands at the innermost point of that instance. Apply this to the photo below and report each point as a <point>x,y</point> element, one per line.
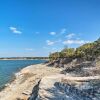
<point>61,87</point>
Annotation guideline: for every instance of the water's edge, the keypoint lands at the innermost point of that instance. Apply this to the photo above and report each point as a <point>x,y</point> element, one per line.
<point>14,76</point>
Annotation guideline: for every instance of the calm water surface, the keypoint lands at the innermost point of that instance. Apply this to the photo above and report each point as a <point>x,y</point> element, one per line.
<point>9,67</point>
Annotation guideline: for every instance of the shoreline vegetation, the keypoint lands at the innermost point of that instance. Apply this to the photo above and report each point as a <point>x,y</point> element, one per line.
<point>71,75</point>
<point>88,51</point>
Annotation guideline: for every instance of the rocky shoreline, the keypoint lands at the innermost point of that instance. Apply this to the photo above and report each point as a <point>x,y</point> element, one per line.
<point>26,79</point>
<point>43,82</point>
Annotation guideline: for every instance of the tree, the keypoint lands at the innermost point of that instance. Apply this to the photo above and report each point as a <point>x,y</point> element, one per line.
<point>68,52</point>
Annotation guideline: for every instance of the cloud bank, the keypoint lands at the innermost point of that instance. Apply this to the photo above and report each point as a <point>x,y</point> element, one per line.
<point>75,42</point>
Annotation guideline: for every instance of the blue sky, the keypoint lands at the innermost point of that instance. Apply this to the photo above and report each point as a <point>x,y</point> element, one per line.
<point>38,27</point>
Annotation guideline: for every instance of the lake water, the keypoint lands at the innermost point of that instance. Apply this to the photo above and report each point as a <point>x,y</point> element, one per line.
<point>9,67</point>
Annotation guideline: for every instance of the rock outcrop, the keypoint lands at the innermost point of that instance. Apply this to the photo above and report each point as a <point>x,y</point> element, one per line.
<point>62,87</point>
<point>79,80</point>
<point>35,91</point>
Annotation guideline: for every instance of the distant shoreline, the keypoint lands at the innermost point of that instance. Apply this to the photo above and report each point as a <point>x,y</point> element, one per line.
<point>24,58</point>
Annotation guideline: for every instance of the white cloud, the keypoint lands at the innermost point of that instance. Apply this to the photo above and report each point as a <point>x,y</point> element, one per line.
<point>29,49</point>
<point>75,42</point>
<point>52,33</point>
<point>14,30</point>
<point>49,42</point>
<point>63,31</point>
<point>53,42</point>
<point>71,35</point>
